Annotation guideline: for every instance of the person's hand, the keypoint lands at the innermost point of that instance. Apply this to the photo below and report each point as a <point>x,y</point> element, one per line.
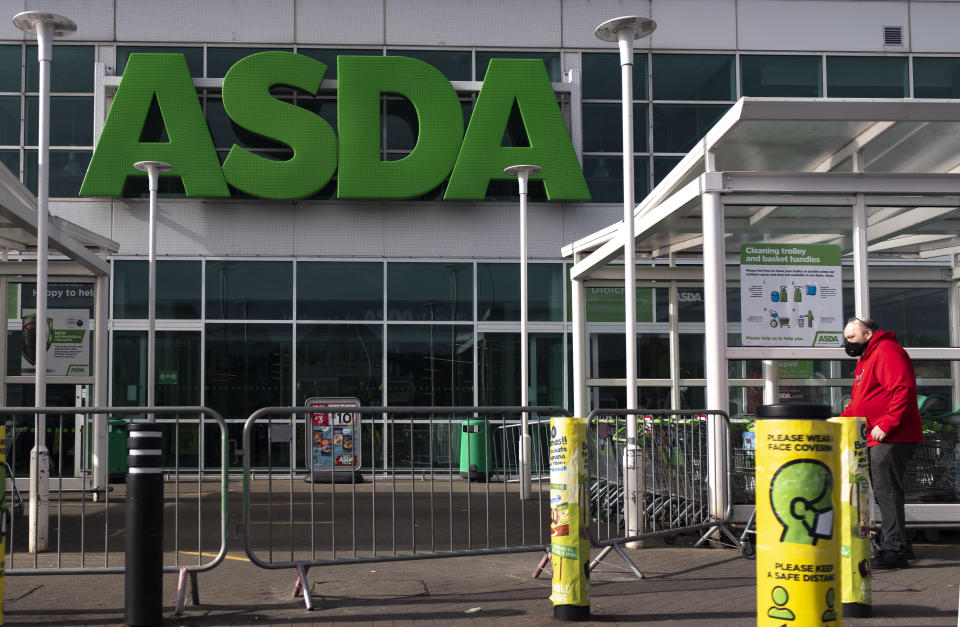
<point>877,434</point>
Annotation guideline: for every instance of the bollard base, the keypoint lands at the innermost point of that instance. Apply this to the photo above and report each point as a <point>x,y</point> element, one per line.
<point>857,610</point>
<point>571,612</point>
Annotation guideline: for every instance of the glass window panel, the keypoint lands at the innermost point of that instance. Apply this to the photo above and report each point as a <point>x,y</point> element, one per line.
<point>499,367</point>
<point>71,69</point>
<point>867,77</point>
<point>677,127</point>
<point>608,361</point>
<point>605,177</point>
<point>249,290</point>
<point>219,60</point>
<point>498,291</point>
<point>551,61</point>
<point>247,367</point>
<point>430,365</point>
<point>11,63</point>
<point>67,169</point>
<point>919,316</point>
<point>10,120</point>
<point>603,127</point>
<point>693,77</point>
<point>647,397</point>
<point>340,360</point>
<point>329,57</point>
<point>780,76</point>
<point>601,75</point>
<point>691,351</point>
<point>178,289</point>
<point>454,64</point>
<point>662,167</point>
<point>325,107</point>
<point>177,368</point>
<point>403,127</point>
<point>429,291</point>
<point>71,121</point>
<point>936,77</point>
<point>329,290</point>
<point>193,56</point>
<point>11,159</point>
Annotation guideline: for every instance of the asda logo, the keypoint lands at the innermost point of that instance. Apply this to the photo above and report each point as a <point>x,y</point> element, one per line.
<point>470,157</point>
<point>827,339</point>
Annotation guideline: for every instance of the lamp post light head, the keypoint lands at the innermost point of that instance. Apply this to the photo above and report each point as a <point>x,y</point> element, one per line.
<point>30,22</point>
<point>158,166</point>
<point>522,172</point>
<point>611,29</point>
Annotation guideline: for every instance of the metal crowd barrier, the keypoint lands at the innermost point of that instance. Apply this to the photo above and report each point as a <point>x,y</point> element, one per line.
<point>85,524</point>
<point>671,475</point>
<point>414,509</point>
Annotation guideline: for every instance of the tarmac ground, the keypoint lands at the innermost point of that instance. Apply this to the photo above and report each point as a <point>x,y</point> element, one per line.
<point>683,585</point>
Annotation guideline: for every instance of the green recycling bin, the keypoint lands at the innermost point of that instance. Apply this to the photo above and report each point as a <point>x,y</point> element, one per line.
<point>116,448</point>
<point>474,456</point>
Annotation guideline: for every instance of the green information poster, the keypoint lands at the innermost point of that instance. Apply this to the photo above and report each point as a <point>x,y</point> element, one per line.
<point>791,295</point>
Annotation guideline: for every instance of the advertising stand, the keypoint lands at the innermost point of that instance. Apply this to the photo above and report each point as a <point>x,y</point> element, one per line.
<point>333,441</point>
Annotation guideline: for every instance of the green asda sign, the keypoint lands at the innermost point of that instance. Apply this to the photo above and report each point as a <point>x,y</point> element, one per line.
<point>471,158</point>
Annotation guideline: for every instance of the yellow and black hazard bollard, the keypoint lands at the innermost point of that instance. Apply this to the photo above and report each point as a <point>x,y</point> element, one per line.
<point>856,585</point>
<point>798,577</point>
<point>569,512</point>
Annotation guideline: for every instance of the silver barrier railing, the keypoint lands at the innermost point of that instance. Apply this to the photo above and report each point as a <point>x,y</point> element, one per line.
<point>507,459</point>
<point>410,509</point>
<point>86,522</point>
<point>670,472</point>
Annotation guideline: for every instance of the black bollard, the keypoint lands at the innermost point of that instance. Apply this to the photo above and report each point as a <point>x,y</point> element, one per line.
<point>143,573</point>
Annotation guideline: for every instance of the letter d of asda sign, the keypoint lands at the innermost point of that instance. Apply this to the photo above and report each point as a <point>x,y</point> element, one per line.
<point>470,159</point>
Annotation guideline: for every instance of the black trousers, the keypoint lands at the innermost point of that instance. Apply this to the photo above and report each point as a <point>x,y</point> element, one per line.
<point>888,466</point>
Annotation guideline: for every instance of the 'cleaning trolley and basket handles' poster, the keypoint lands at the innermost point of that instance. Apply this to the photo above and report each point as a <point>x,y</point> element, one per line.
<point>791,295</point>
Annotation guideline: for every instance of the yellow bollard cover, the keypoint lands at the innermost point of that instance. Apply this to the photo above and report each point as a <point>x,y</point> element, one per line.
<point>569,511</point>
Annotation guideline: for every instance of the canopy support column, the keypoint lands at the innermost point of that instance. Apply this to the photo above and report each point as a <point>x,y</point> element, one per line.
<point>715,326</point>
<point>578,294</point>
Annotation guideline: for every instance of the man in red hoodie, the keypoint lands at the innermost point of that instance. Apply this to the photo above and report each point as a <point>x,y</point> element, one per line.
<point>885,393</point>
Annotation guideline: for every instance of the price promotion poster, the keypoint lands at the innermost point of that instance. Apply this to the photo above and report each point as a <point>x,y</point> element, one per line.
<point>333,441</point>
<point>791,295</point>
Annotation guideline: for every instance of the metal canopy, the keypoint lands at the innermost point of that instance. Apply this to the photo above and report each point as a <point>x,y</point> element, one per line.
<point>785,169</point>
<point>18,228</point>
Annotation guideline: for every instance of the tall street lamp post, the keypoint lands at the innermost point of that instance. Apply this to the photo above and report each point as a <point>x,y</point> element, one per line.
<point>624,30</point>
<point>153,170</point>
<point>45,26</point>
<point>523,172</point>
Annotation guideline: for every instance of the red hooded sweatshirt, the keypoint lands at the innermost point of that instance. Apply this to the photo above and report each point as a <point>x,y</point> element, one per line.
<point>885,391</point>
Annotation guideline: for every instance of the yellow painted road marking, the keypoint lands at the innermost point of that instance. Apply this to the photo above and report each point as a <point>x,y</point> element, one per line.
<point>226,557</point>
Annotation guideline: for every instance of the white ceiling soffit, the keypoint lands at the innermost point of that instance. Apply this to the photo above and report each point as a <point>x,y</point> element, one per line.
<point>792,140</point>
<point>18,227</point>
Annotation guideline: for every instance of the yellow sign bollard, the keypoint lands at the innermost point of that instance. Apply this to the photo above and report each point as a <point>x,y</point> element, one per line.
<point>798,578</point>
<point>856,585</point>
<point>569,517</point>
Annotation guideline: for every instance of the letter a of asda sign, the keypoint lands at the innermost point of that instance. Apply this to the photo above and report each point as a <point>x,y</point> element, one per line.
<point>470,159</point>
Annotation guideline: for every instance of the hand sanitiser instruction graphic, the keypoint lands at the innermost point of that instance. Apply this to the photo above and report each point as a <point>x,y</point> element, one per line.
<point>791,295</point>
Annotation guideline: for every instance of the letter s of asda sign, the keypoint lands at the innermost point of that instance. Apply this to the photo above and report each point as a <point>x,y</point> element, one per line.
<point>470,159</point>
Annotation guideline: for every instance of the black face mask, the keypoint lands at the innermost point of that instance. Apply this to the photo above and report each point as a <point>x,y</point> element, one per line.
<point>854,349</point>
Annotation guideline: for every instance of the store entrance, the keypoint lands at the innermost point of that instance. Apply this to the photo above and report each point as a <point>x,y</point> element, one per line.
<point>63,433</point>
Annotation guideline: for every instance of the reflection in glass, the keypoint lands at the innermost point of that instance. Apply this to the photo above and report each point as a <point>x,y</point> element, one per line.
<point>342,360</point>
<point>867,77</point>
<point>250,290</point>
<point>177,371</point>
<point>178,289</point>
<point>454,64</point>
<point>339,290</point>
<point>498,291</point>
<point>429,291</point>
<point>604,175</point>
<point>10,64</point>
<point>936,77</point>
<point>71,69</point>
<point>429,365</point>
<point>10,120</point>
<point>777,75</point>
<point>551,61</point>
<point>220,60</point>
<point>603,127</point>
<point>693,77</point>
<point>67,169</point>
<point>601,75</point>
<point>71,121</point>
<point>680,126</point>
<point>499,367</point>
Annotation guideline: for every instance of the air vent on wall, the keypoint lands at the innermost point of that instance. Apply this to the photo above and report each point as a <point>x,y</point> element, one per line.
<point>892,35</point>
